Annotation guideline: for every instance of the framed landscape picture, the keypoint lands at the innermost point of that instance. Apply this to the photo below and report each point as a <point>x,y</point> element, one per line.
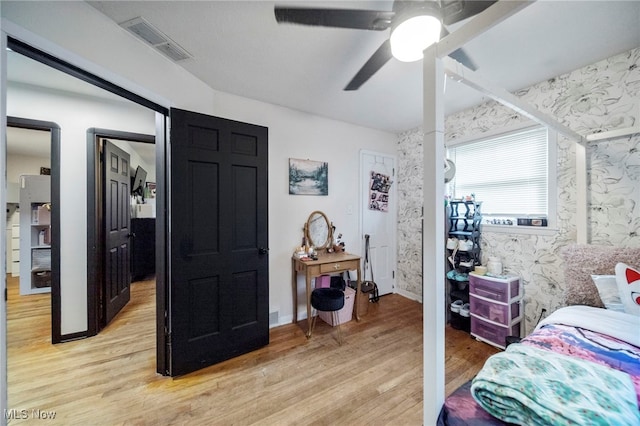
<point>307,177</point>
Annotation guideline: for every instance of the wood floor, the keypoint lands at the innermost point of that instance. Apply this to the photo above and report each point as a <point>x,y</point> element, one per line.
<point>374,378</point>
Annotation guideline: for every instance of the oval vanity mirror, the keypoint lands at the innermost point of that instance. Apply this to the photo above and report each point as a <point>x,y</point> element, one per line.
<point>318,231</point>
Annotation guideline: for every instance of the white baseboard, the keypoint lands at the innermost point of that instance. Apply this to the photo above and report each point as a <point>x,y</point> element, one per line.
<point>408,295</point>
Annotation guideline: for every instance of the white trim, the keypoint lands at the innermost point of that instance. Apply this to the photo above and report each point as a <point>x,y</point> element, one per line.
<point>3,221</point>
<point>525,230</point>
<point>581,194</point>
<point>552,181</point>
<point>522,126</point>
<point>409,295</point>
<point>618,133</point>
<point>34,40</point>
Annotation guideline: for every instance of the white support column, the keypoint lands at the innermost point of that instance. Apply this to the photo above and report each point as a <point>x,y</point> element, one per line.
<point>433,237</point>
<point>3,221</point>
<point>581,194</point>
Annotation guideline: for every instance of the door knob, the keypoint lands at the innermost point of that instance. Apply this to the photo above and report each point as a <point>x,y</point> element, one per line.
<point>263,250</point>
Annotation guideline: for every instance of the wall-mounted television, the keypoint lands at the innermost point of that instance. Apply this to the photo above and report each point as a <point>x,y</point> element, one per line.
<point>138,181</point>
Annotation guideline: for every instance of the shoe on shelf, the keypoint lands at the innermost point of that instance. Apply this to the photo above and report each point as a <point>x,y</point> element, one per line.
<point>467,264</point>
<point>464,310</point>
<point>455,306</point>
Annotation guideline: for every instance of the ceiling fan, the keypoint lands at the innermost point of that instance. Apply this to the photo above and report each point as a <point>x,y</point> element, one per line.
<point>415,25</point>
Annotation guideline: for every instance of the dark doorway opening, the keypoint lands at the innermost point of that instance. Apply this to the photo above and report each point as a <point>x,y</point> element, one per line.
<point>104,300</point>
<point>54,129</point>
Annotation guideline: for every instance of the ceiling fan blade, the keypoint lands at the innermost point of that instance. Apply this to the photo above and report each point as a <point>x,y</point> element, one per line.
<point>375,62</point>
<point>458,10</point>
<point>340,18</point>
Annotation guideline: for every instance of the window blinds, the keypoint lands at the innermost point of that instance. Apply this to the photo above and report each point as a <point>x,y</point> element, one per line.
<point>507,173</point>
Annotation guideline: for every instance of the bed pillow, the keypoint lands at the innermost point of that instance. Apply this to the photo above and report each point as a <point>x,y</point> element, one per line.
<point>607,286</point>
<point>628,280</point>
<point>583,260</point>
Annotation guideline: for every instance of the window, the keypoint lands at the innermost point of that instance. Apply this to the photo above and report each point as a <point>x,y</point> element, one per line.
<point>510,174</point>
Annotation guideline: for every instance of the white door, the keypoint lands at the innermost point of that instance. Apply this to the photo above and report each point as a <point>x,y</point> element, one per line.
<point>378,209</point>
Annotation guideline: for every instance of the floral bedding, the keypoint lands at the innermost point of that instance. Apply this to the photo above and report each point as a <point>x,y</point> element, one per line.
<point>576,341</point>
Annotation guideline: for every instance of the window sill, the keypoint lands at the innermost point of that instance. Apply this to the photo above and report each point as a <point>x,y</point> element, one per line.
<point>514,229</point>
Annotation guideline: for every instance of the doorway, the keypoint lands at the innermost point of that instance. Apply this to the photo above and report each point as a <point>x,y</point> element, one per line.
<point>81,106</point>
<point>118,235</point>
<point>378,212</point>
<point>44,274</point>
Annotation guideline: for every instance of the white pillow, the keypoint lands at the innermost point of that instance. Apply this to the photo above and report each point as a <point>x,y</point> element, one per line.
<point>608,291</point>
<point>628,280</point>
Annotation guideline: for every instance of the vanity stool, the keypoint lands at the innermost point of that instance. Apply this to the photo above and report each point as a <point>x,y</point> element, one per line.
<point>327,300</point>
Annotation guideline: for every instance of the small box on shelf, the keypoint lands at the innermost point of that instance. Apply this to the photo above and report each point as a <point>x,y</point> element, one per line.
<point>41,279</point>
<point>41,214</point>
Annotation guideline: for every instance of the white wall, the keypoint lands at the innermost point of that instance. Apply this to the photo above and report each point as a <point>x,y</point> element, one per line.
<point>74,115</point>
<point>599,97</point>
<point>79,34</point>
<point>135,160</point>
<point>24,165</point>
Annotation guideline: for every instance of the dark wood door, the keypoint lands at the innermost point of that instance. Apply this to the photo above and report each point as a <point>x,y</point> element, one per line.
<point>219,283</point>
<point>117,219</point>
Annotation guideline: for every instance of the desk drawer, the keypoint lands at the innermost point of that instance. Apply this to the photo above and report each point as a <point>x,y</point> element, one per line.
<point>348,265</point>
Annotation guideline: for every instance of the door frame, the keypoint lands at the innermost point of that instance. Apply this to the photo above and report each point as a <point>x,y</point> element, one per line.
<point>30,45</point>
<point>95,234</point>
<point>393,211</point>
<point>30,51</point>
<point>54,129</point>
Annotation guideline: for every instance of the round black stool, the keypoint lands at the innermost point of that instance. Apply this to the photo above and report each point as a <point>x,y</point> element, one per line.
<point>327,300</point>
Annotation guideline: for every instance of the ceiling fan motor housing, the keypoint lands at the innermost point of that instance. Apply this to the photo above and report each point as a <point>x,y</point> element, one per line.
<point>405,9</point>
<point>416,26</point>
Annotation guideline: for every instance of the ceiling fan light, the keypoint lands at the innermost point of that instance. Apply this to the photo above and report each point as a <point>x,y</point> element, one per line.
<point>411,37</point>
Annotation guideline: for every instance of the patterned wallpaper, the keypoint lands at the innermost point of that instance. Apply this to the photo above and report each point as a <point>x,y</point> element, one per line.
<point>600,97</point>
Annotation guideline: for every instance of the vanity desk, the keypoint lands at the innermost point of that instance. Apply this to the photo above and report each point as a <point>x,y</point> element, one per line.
<point>327,263</point>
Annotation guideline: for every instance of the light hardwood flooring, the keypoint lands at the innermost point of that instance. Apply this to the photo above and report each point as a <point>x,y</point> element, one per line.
<point>374,378</point>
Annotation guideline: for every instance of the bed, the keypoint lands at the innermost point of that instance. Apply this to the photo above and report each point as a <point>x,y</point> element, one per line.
<point>581,364</point>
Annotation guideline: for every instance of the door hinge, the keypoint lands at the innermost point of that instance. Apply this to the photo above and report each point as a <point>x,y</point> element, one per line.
<point>6,297</point>
<point>393,274</point>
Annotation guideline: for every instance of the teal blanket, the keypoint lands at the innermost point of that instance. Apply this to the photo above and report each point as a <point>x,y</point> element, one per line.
<point>530,386</point>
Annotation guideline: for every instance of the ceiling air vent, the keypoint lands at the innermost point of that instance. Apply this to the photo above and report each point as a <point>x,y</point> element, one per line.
<point>151,35</point>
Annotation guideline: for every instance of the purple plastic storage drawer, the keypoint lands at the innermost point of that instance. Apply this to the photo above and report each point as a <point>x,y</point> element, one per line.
<point>500,289</point>
<point>495,334</point>
<point>493,311</point>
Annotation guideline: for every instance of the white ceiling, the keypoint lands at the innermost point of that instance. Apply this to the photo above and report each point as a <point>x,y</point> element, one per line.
<point>238,48</point>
